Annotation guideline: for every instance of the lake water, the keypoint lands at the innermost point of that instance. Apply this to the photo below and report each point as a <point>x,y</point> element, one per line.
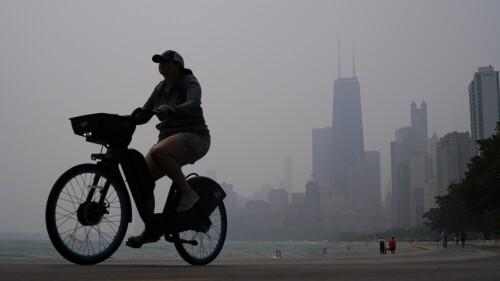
<point>232,250</point>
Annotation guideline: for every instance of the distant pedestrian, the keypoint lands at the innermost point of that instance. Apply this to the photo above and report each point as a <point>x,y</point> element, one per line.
<point>392,245</point>
<point>381,243</point>
<point>463,236</point>
<point>444,238</point>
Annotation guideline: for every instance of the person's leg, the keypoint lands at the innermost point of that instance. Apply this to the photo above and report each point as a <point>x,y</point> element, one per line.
<point>167,157</point>
<point>156,174</point>
<point>146,236</point>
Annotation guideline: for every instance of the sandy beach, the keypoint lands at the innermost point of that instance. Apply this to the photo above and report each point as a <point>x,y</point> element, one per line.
<point>425,262</point>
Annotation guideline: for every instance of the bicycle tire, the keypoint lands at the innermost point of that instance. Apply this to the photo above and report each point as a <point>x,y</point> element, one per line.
<point>98,238</point>
<point>210,243</point>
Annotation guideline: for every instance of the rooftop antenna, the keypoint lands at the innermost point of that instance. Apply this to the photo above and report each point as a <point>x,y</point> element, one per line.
<point>353,62</point>
<point>339,60</point>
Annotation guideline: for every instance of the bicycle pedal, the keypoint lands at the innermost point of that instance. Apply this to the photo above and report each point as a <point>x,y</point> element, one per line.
<point>182,241</point>
<point>133,244</point>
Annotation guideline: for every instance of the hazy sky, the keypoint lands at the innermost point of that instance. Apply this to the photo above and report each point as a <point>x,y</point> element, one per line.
<point>266,69</point>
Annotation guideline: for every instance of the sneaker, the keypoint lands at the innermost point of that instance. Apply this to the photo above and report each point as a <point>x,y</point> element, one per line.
<point>139,240</point>
<point>187,201</point>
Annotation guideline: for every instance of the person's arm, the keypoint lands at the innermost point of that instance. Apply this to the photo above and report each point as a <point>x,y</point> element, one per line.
<point>193,100</point>
<point>142,117</point>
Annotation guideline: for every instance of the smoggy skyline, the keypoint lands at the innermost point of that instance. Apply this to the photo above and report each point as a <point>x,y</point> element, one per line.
<point>266,70</point>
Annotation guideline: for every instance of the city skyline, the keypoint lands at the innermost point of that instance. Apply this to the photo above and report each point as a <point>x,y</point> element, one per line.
<point>266,70</point>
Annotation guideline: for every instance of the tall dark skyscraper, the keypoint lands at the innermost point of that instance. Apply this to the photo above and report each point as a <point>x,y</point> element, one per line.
<point>420,138</point>
<point>484,102</point>
<point>411,169</point>
<point>347,133</point>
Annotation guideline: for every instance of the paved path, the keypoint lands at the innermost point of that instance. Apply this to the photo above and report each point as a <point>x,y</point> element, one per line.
<point>470,263</point>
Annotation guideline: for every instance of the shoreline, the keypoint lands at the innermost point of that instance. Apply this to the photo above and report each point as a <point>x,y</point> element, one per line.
<point>470,263</point>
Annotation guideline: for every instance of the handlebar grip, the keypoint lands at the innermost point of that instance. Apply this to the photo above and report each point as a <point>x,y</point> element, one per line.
<point>151,110</point>
<point>141,109</point>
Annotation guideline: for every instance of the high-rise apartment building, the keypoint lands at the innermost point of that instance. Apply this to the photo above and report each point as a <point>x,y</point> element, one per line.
<point>430,193</point>
<point>420,162</point>
<point>433,141</point>
<point>288,175</point>
<point>454,152</point>
<point>372,160</point>
<point>400,184</point>
<point>263,193</point>
<point>231,200</point>
<point>321,159</point>
<point>420,138</point>
<point>278,202</point>
<point>388,210</point>
<point>298,198</point>
<point>484,103</point>
<point>411,168</point>
<point>360,196</point>
<point>420,173</point>
<point>256,216</point>
<point>311,206</point>
<point>347,132</point>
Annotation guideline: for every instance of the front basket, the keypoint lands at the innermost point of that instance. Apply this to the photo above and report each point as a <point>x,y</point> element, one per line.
<point>104,128</point>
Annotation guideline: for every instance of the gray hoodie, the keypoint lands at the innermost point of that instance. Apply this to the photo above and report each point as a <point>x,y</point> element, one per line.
<point>185,97</point>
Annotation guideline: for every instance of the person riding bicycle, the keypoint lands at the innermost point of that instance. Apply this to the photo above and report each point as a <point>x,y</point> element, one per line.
<point>183,134</point>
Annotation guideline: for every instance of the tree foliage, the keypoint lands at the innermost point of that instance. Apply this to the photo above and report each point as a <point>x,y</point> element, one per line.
<point>473,203</point>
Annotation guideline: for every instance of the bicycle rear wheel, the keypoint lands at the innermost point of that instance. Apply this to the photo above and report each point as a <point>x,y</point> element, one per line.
<point>87,231</point>
<point>210,242</point>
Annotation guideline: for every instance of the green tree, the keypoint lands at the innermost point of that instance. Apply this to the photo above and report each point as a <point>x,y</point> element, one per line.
<point>480,189</point>
<point>450,214</point>
<point>473,203</point>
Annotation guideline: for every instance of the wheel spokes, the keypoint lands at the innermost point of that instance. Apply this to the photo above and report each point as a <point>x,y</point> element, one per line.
<point>87,240</point>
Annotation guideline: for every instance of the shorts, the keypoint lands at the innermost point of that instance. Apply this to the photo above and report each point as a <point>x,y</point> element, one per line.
<point>197,145</point>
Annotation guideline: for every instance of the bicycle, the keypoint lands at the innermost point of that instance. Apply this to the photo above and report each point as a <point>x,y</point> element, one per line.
<point>89,206</point>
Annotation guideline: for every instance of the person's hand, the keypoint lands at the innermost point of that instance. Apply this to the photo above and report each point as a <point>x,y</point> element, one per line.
<point>164,110</point>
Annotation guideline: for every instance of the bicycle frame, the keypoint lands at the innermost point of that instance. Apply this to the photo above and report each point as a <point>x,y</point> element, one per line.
<point>74,209</point>
<point>115,133</point>
<point>141,186</point>
<point>139,182</point>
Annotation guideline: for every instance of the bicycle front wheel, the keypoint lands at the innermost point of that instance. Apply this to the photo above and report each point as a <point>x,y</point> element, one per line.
<point>87,214</point>
<point>210,241</point>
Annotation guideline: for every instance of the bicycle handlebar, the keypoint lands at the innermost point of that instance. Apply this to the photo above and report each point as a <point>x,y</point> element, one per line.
<point>138,110</point>
<point>149,110</point>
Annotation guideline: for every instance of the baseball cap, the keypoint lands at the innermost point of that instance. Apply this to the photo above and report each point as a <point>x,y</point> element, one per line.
<point>169,56</point>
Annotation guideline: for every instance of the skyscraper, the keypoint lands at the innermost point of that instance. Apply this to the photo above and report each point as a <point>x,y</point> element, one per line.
<point>400,181</point>
<point>411,168</point>
<point>430,193</point>
<point>288,174</point>
<point>484,103</point>
<point>372,160</point>
<point>311,206</point>
<point>420,138</point>
<point>433,141</point>
<point>420,172</point>
<point>347,133</point>
<point>454,152</point>
<point>278,202</point>
<point>321,159</point>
